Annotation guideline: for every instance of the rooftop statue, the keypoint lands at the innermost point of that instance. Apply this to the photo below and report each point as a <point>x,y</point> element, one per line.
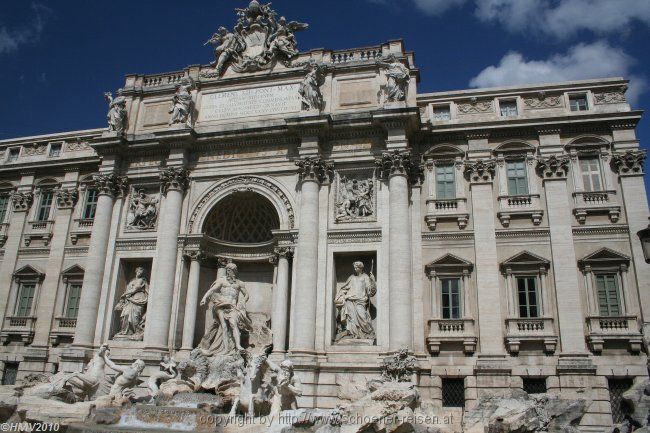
<point>117,115</point>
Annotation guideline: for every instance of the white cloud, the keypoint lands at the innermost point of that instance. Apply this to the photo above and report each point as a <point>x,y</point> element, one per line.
<point>11,40</point>
<point>582,61</point>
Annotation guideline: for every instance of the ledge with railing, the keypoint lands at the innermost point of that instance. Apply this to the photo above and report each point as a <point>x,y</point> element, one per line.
<point>39,230</point>
<point>614,328</point>
<point>18,326</point>
<point>447,209</point>
<point>528,205</point>
<point>460,331</point>
<point>82,227</point>
<point>596,202</point>
<point>64,327</point>
<point>530,329</point>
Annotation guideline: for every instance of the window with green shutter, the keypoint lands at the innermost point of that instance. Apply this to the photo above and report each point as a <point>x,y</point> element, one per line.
<point>4,206</point>
<point>45,206</point>
<point>608,299</point>
<point>517,179</point>
<point>91,204</point>
<point>527,290</point>
<point>445,182</point>
<point>25,299</point>
<point>450,298</point>
<point>72,306</point>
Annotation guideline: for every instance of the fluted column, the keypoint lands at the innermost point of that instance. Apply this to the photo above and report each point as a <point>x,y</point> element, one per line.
<point>191,298</point>
<point>109,186</point>
<point>397,168</point>
<point>173,184</point>
<point>280,309</point>
<point>312,171</point>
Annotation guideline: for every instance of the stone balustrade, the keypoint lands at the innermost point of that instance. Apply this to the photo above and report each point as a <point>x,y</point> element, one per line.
<point>64,327</point>
<point>447,209</point>
<point>21,327</point>
<point>38,230</point>
<point>359,55</point>
<point>596,202</point>
<point>528,205</point>
<point>603,329</point>
<point>533,330</point>
<point>169,79</point>
<point>453,332</point>
<point>81,227</point>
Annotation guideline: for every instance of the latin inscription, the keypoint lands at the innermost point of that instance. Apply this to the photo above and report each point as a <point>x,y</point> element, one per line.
<point>262,101</point>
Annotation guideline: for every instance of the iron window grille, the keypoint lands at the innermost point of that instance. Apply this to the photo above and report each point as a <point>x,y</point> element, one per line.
<point>453,392</point>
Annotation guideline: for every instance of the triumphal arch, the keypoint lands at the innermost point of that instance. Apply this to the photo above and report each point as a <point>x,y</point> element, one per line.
<point>281,231</point>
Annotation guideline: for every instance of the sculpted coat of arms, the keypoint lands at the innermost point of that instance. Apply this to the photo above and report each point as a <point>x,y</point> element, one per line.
<point>258,41</point>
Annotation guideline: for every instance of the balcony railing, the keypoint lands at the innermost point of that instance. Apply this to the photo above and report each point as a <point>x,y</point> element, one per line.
<point>596,202</point>
<point>64,327</point>
<point>443,331</point>
<point>447,209</point>
<point>528,205</point>
<point>614,328</point>
<point>530,329</point>
<point>82,227</point>
<point>18,326</point>
<point>358,55</point>
<point>39,230</point>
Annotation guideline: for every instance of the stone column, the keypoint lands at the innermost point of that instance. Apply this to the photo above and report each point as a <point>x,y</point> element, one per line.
<point>481,175</point>
<point>66,199</point>
<point>312,171</point>
<point>108,186</point>
<point>280,311</point>
<point>191,298</point>
<point>173,184</point>
<point>396,166</point>
<point>554,170</point>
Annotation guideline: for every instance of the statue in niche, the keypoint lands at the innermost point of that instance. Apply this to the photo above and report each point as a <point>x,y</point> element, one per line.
<point>132,307</point>
<point>398,78</point>
<point>143,211</point>
<point>116,112</point>
<point>355,199</point>
<point>353,304</point>
<point>182,104</point>
<point>227,297</point>
<point>312,98</point>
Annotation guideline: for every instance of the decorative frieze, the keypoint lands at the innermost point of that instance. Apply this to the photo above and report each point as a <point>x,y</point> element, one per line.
<point>355,198</point>
<point>315,169</point>
<point>77,146</point>
<point>476,107</point>
<point>173,178</point>
<point>398,163</point>
<point>630,162</point>
<point>542,100</point>
<point>110,184</point>
<point>66,198</point>
<point>553,167</point>
<point>481,171</point>
<point>22,201</point>
<point>355,236</point>
<point>34,149</point>
<point>615,97</point>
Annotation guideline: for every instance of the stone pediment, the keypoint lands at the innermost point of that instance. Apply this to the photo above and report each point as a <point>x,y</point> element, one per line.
<point>448,263</point>
<point>525,258</point>
<point>73,270</point>
<point>28,272</point>
<point>604,257</point>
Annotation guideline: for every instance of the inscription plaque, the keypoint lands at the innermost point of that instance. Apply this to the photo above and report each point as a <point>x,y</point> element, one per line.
<point>261,101</point>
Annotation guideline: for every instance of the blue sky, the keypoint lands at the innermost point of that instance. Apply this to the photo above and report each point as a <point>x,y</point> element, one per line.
<point>58,57</point>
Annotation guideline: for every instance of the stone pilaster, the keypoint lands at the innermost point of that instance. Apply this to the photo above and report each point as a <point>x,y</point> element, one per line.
<point>312,171</point>
<point>554,170</point>
<point>192,297</point>
<point>174,181</point>
<point>280,310</point>
<point>109,186</point>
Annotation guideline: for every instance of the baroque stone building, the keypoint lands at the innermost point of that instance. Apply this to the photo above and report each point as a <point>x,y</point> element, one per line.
<point>495,228</point>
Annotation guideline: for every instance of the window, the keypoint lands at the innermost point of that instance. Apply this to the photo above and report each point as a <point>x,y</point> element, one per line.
<point>90,205</point>
<point>607,290</point>
<point>441,113</point>
<point>10,373</point>
<point>534,385</point>
<point>4,206</point>
<point>14,152</point>
<point>617,387</point>
<point>508,108</point>
<point>55,150</point>
<point>450,298</point>
<point>578,102</point>
<point>517,179</point>
<point>527,290</point>
<point>590,169</point>
<point>25,299</point>
<point>445,182</point>
<point>72,305</point>
<point>45,206</point>
<point>453,392</point>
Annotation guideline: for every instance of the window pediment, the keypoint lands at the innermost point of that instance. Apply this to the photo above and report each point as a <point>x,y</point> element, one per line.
<point>449,264</point>
<point>444,151</point>
<point>73,272</point>
<point>28,273</point>
<point>514,147</point>
<point>525,260</point>
<point>603,258</point>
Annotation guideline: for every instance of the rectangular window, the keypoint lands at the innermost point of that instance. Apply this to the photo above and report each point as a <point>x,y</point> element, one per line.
<point>453,392</point>
<point>450,298</point>
<point>45,206</point>
<point>10,373</point>
<point>517,178</point>
<point>578,102</point>
<point>590,170</point>
<point>4,207</point>
<point>534,385</point>
<point>25,299</point>
<point>508,108</point>
<point>445,182</point>
<point>607,290</point>
<point>55,150</point>
<point>14,152</point>
<point>527,289</point>
<point>74,294</point>
<point>91,204</point>
<point>617,387</point>
<point>441,114</point>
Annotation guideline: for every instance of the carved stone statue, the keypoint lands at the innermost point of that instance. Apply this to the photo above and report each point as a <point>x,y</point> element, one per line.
<point>398,78</point>
<point>286,389</point>
<point>283,41</point>
<point>312,98</point>
<point>227,297</point>
<point>252,393</point>
<point>132,307</point>
<point>143,211</point>
<point>127,379</point>
<point>353,301</point>
<point>117,115</point>
<point>226,45</point>
<point>355,199</point>
<point>399,367</point>
<point>182,104</point>
<point>168,371</point>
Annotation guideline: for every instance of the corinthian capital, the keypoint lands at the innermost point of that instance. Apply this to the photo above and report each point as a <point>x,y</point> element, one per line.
<point>110,184</point>
<point>174,178</point>
<point>22,201</point>
<point>481,171</point>
<point>630,162</point>
<point>66,198</point>
<point>398,163</point>
<point>553,167</point>
<point>194,254</point>
<point>315,169</point>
